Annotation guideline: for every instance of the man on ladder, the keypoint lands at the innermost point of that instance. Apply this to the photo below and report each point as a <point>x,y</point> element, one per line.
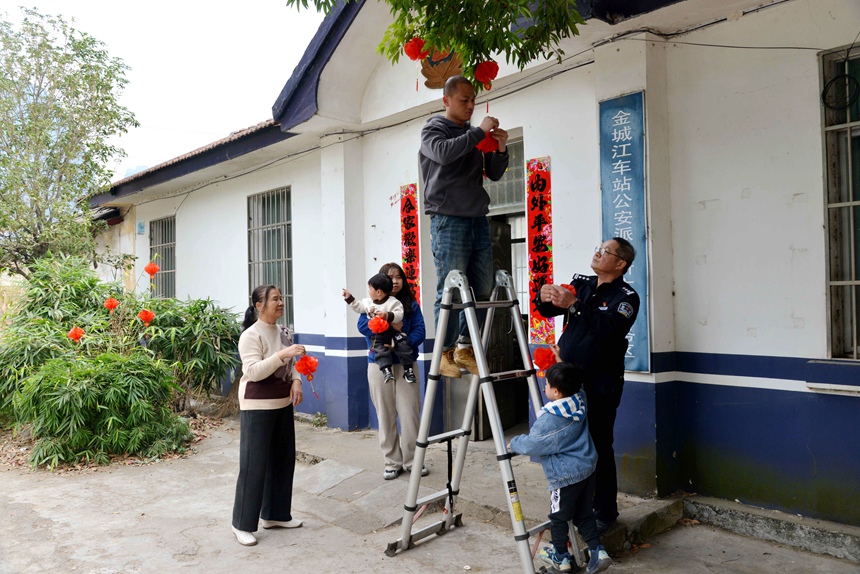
<point>455,199</point>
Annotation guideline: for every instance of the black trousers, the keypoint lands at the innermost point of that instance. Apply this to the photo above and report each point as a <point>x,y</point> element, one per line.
<point>384,355</point>
<point>603,400</point>
<point>573,502</point>
<point>267,462</point>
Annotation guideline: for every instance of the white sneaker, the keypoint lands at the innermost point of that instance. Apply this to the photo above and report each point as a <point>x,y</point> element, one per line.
<point>244,538</point>
<point>281,523</point>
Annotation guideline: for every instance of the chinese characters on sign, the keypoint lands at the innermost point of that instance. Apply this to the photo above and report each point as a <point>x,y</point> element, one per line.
<point>409,237</point>
<point>622,183</point>
<point>539,220</point>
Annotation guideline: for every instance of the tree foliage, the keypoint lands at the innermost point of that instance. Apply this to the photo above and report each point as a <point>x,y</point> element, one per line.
<point>59,108</point>
<point>479,30</point>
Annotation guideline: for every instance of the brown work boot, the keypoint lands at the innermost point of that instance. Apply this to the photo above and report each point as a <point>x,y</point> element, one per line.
<point>465,358</point>
<point>447,367</point>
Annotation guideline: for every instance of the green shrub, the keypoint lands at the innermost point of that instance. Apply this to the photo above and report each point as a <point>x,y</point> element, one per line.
<point>85,409</point>
<point>199,339</point>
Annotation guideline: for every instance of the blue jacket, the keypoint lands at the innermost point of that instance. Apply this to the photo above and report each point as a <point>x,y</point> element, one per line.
<point>413,326</point>
<point>560,437</point>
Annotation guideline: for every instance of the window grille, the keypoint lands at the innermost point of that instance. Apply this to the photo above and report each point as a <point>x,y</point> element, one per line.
<point>507,199</point>
<point>270,255</point>
<point>162,250</point>
<point>841,108</point>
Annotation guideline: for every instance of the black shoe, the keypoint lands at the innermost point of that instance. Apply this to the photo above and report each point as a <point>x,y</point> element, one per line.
<point>409,375</point>
<point>604,527</point>
<point>389,376</point>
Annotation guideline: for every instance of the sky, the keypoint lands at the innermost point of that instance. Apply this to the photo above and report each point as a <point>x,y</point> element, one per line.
<point>199,70</point>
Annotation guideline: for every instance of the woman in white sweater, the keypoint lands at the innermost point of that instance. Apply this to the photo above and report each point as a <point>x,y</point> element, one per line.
<point>269,388</point>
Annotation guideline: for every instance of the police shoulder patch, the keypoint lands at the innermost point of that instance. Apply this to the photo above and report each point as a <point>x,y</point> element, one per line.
<point>626,309</point>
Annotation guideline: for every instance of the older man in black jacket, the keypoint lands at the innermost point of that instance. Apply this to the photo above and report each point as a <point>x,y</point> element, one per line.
<point>597,319</point>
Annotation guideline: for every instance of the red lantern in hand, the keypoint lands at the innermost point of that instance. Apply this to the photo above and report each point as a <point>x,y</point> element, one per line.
<point>544,359</point>
<point>378,325</point>
<point>570,288</point>
<point>151,268</point>
<point>75,334</point>
<point>414,49</point>
<point>146,316</point>
<point>488,144</point>
<point>486,72</point>
<point>307,366</point>
<point>111,304</point>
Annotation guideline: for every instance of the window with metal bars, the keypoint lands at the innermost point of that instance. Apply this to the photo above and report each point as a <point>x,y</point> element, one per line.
<point>270,254</point>
<point>162,250</point>
<point>839,97</point>
<point>507,203</point>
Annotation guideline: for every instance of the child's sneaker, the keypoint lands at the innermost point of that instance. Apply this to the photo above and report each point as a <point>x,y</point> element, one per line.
<point>409,375</point>
<point>599,561</point>
<point>560,562</point>
<point>389,376</point>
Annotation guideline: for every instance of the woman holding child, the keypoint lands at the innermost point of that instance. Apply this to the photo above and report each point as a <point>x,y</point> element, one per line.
<point>398,398</point>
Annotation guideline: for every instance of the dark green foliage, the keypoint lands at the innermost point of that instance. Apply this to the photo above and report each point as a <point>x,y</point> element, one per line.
<point>199,339</point>
<point>112,392</point>
<point>84,409</point>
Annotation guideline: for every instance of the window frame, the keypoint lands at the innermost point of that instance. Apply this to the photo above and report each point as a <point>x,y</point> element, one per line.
<point>163,285</point>
<point>263,233</point>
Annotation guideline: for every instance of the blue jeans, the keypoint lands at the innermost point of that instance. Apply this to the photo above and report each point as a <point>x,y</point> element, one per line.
<point>461,243</point>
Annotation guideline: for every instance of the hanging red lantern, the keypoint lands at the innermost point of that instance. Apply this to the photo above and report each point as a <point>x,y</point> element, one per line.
<point>378,325</point>
<point>544,359</point>
<point>488,144</point>
<point>111,304</point>
<point>414,49</point>
<point>486,72</point>
<point>307,366</point>
<point>570,288</point>
<point>146,316</point>
<point>151,269</point>
<point>75,334</point>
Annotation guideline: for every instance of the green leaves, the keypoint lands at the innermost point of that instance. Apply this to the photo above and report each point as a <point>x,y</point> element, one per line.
<point>520,31</point>
<point>59,91</point>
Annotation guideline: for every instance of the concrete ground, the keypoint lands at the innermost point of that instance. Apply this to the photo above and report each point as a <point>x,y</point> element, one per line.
<point>174,516</point>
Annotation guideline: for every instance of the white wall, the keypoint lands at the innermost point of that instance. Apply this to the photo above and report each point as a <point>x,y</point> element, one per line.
<point>747,181</point>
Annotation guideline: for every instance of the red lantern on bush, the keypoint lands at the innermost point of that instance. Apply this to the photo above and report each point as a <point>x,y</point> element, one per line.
<point>146,316</point>
<point>486,72</point>
<point>544,359</point>
<point>75,334</point>
<point>111,304</point>
<point>307,366</point>
<point>414,49</point>
<point>378,325</point>
<point>151,269</point>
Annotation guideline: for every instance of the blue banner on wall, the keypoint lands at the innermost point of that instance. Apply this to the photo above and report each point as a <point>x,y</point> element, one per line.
<point>622,183</point>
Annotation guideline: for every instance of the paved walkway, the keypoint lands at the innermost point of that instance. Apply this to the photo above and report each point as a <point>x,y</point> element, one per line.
<point>174,516</point>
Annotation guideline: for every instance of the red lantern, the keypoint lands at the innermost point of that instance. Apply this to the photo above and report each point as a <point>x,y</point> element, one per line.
<point>486,72</point>
<point>151,268</point>
<point>307,366</point>
<point>146,316</point>
<point>378,325</point>
<point>75,334</point>
<point>488,144</point>
<point>544,359</point>
<point>414,49</point>
<point>570,288</point>
<point>111,304</point>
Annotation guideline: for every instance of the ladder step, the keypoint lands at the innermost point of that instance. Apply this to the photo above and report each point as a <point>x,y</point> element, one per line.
<point>504,304</point>
<point>504,375</point>
<point>539,528</point>
<point>445,436</point>
<point>431,498</point>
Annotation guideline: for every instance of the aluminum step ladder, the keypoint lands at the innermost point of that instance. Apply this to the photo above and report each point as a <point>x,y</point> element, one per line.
<point>502,297</point>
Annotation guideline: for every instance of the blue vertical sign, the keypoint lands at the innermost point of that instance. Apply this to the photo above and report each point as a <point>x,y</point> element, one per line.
<point>622,189</point>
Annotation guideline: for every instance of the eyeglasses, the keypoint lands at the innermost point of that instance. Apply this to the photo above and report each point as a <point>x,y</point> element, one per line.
<point>603,251</point>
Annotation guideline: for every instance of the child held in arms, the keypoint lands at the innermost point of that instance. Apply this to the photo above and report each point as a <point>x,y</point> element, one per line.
<point>382,309</point>
<point>560,438</point>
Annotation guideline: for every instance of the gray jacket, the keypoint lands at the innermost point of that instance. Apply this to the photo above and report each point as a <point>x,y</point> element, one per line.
<point>453,169</point>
